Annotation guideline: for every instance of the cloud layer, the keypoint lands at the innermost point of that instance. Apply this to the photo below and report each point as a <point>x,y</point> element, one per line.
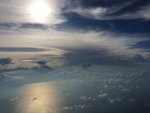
<point>114,12</point>
<point>112,28</point>
<point>18,11</point>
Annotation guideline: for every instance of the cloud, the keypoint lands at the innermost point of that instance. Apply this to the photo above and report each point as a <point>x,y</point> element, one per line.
<point>138,58</point>
<point>142,44</point>
<point>91,56</point>
<point>144,12</point>
<point>98,43</point>
<point>13,49</point>
<point>95,13</point>
<point>107,42</point>
<point>140,13</point>
<point>82,39</point>
<point>5,61</point>
<point>99,12</point>
<point>113,12</point>
<point>21,33</point>
<point>23,26</point>
<point>17,11</point>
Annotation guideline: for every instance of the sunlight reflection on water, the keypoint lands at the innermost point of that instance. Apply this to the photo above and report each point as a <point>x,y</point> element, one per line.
<point>39,98</point>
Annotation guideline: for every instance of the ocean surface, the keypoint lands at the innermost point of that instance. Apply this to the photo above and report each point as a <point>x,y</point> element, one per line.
<point>76,89</point>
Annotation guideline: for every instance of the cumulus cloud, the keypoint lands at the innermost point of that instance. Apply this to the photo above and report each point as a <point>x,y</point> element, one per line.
<point>138,58</point>
<point>5,61</point>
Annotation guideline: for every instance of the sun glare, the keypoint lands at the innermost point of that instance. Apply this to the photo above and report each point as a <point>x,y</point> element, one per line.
<point>39,10</point>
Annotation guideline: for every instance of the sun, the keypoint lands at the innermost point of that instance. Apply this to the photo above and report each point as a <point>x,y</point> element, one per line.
<point>39,10</point>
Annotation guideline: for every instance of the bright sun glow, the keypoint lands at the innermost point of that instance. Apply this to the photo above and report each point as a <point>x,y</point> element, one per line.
<point>39,10</point>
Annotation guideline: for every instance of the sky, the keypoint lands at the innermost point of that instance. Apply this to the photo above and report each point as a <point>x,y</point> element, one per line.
<point>81,31</point>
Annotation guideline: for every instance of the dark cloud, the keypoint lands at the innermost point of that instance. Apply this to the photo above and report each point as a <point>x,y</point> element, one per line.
<point>118,26</point>
<point>102,3</point>
<point>20,49</point>
<point>10,26</point>
<point>129,16</point>
<point>5,61</point>
<point>137,4</point>
<point>116,6</point>
<point>77,21</point>
<point>138,58</point>
<point>142,44</point>
<point>33,26</point>
<point>93,56</point>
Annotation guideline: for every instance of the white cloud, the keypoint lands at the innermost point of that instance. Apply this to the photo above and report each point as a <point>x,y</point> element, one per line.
<point>115,44</point>
<point>145,12</point>
<point>140,13</point>
<point>90,12</point>
<point>104,13</point>
<point>17,11</point>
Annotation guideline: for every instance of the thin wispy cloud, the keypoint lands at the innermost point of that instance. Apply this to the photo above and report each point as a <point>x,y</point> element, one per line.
<point>23,25</point>
<point>110,13</point>
<point>44,36</point>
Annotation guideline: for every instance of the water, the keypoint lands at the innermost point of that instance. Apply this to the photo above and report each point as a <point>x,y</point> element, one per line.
<point>76,90</point>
